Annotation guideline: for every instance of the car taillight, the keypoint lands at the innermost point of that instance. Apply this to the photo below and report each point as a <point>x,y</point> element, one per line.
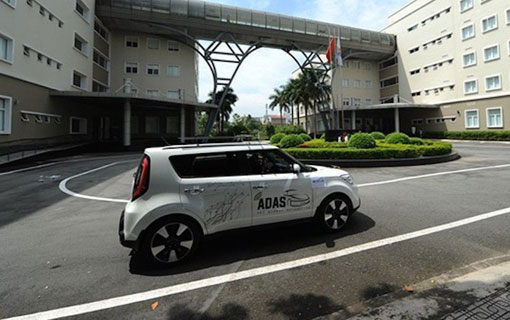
<point>141,184</point>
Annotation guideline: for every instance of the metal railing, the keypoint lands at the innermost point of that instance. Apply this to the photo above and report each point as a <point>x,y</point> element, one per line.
<point>246,17</point>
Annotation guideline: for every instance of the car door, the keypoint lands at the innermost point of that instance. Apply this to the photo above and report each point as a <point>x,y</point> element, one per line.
<point>278,194</point>
<point>213,189</point>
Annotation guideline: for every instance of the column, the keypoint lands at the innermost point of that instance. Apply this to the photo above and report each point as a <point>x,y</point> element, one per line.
<point>353,120</point>
<point>183,125</point>
<point>127,124</point>
<point>397,120</point>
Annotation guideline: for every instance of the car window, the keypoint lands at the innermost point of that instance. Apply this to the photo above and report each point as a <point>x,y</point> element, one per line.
<point>206,165</point>
<point>268,162</point>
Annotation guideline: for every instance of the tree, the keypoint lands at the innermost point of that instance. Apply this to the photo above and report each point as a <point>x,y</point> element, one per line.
<point>278,98</point>
<point>226,108</point>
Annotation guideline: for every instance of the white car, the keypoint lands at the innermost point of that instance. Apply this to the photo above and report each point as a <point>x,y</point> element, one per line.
<point>182,193</point>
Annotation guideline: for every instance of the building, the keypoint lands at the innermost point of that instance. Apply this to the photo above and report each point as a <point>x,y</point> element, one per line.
<point>454,54</point>
<point>66,78</point>
<point>451,71</point>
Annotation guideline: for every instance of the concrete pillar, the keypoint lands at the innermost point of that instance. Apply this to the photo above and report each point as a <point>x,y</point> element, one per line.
<point>182,130</point>
<point>127,85</point>
<point>353,120</point>
<point>127,124</point>
<point>397,120</point>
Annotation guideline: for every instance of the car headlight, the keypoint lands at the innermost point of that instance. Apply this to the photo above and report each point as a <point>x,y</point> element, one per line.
<point>347,178</point>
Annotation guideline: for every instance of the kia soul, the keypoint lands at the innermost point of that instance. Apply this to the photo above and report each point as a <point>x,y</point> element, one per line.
<point>183,193</point>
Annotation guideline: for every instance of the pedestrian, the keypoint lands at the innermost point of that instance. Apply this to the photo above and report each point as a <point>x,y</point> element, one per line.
<point>413,130</point>
<point>420,131</point>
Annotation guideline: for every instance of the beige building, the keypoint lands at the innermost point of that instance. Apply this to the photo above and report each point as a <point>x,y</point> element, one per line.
<point>66,78</point>
<point>454,54</point>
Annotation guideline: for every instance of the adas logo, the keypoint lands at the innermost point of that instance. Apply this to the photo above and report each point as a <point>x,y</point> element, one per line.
<point>290,198</point>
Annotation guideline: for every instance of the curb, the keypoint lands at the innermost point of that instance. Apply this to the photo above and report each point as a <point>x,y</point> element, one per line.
<point>372,163</point>
<point>477,141</point>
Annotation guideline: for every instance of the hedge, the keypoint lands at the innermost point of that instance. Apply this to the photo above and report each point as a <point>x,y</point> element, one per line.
<point>318,143</point>
<point>496,135</point>
<point>383,151</point>
<point>377,135</point>
<point>275,139</point>
<point>397,137</point>
<point>290,129</point>
<point>305,137</point>
<point>361,141</point>
<point>290,141</point>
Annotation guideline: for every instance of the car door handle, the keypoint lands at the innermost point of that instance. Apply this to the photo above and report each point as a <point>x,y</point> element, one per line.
<point>260,187</point>
<point>194,191</point>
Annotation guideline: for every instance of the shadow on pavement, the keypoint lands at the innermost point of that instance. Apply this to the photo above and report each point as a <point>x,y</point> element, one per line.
<point>303,306</point>
<point>228,311</point>
<point>226,248</point>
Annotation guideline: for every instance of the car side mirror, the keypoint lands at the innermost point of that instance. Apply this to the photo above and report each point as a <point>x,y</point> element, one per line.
<point>296,168</point>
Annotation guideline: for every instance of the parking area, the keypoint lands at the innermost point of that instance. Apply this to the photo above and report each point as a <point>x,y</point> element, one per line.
<point>60,248</point>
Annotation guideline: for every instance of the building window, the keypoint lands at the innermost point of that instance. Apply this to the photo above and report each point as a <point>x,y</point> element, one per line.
<point>368,66</point>
<point>412,28</point>
<point>413,72</point>
<point>173,46</point>
<point>368,84</point>
<point>389,82</point>
<point>152,43</point>
<point>152,125</point>
<point>388,63</point>
<point>491,53</point>
<point>508,16</point>
<point>346,102</point>
<point>153,69</point>
<point>413,50</point>
<point>173,71</point>
<point>5,114</point>
<point>466,5</point>
<point>173,94</point>
<point>357,83</point>
<point>132,42</point>
<point>468,32</point>
<point>79,80</point>
<point>100,30</point>
<point>77,125</point>
<point>368,102</point>
<point>6,49</point>
<point>469,59</point>
<point>172,125</point>
<point>82,10</point>
<point>416,93</point>
<point>100,60</point>
<point>355,65</point>
<point>356,102</point>
<point>470,87</point>
<point>493,83</point>
<point>132,67</point>
<point>152,92</point>
<point>97,87</point>
<point>490,23</point>
<point>11,3</point>
<point>346,83</point>
<point>495,117</point>
<point>472,119</point>
<point>80,44</point>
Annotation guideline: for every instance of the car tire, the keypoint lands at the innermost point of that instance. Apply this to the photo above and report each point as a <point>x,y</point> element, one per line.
<point>170,241</point>
<point>333,213</point>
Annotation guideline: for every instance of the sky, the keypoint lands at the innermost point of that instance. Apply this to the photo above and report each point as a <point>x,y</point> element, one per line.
<point>266,69</point>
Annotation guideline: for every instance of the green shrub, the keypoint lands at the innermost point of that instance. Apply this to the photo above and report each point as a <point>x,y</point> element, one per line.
<point>377,135</point>
<point>398,137</point>
<point>416,141</point>
<point>323,136</point>
<point>275,139</point>
<point>290,129</point>
<point>361,141</point>
<point>318,143</point>
<point>382,151</point>
<point>305,137</point>
<point>488,135</point>
<point>290,141</point>
<point>269,129</point>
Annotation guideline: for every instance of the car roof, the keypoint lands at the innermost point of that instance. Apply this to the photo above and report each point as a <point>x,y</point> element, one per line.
<point>210,147</point>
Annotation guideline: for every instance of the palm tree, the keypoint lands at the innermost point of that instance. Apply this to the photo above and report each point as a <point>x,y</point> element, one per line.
<point>279,99</point>
<point>226,108</point>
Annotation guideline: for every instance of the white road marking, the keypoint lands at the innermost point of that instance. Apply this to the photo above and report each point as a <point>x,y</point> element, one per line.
<point>250,273</point>
<point>64,188</point>
<point>432,175</point>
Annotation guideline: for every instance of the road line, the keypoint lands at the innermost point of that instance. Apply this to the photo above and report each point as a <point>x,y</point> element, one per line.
<point>64,188</point>
<point>240,275</point>
<point>432,175</point>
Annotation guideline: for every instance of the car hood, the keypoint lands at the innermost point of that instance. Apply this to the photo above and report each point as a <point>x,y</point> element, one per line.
<point>327,172</point>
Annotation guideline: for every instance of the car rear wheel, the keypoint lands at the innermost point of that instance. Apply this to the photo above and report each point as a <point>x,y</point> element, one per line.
<point>334,212</point>
<point>171,241</point>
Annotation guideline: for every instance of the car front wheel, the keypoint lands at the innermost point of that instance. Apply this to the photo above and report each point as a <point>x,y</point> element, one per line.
<point>171,241</point>
<point>333,213</point>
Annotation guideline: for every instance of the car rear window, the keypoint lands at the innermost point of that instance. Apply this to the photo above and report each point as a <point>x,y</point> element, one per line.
<point>206,165</point>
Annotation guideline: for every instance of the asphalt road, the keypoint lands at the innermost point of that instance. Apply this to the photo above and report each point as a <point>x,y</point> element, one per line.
<point>57,250</point>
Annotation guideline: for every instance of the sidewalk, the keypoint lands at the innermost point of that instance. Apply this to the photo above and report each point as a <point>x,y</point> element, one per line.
<point>483,292</point>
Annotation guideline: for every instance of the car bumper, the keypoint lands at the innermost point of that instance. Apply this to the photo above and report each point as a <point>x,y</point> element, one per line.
<point>122,237</point>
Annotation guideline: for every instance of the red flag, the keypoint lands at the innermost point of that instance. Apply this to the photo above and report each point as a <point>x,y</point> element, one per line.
<point>330,54</point>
